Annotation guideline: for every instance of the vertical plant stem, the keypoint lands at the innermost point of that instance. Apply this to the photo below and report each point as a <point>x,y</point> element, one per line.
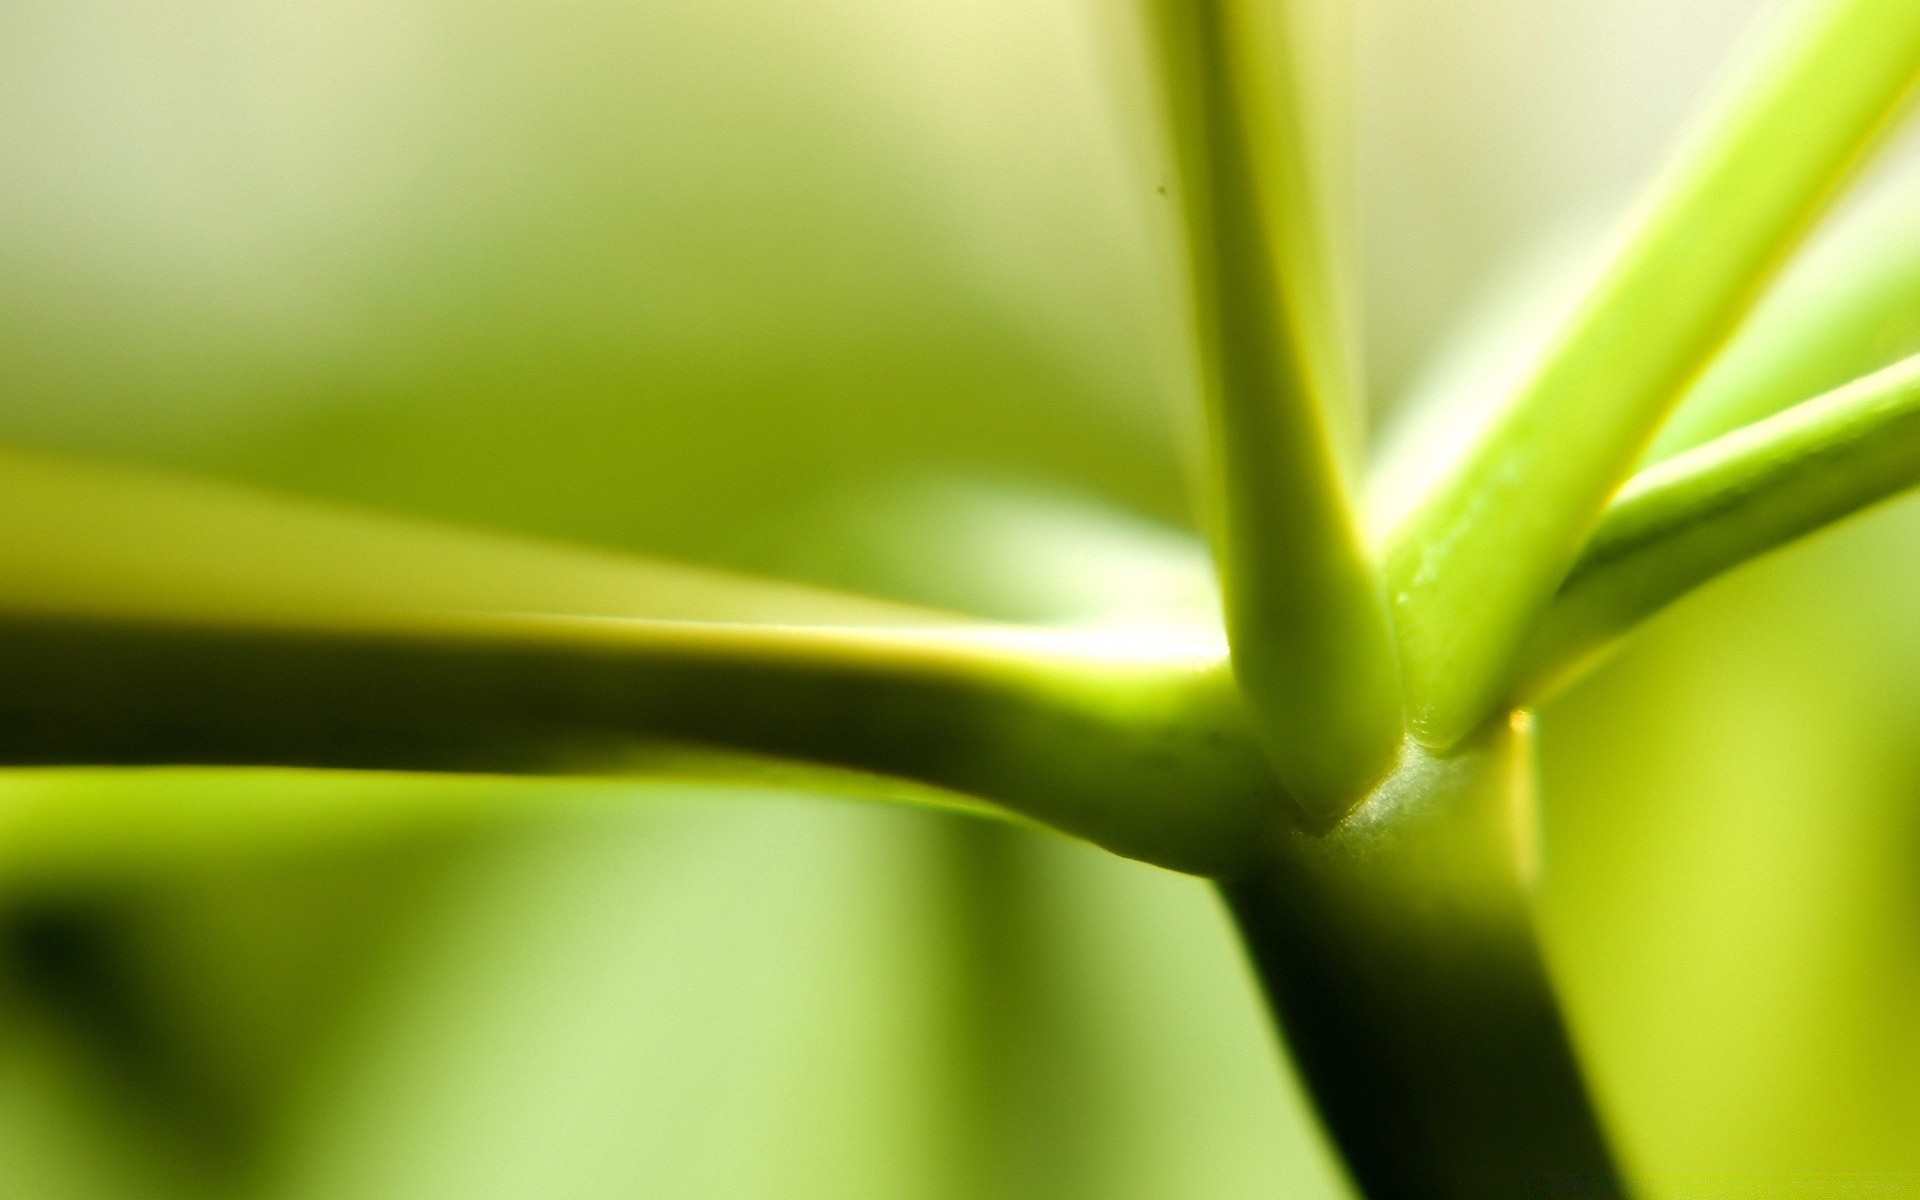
<point>1398,954</point>
<point>1305,612</point>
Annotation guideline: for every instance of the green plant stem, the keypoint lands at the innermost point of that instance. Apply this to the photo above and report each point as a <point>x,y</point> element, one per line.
<point>1398,953</point>
<point>1305,613</point>
<point>1145,754</point>
<point>1689,518</point>
<point>1472,569</point>
<point>146,620</point>
<point>1847,308</point>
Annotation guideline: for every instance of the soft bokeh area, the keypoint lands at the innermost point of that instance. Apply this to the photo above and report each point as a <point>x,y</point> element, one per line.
<point>878,294</point>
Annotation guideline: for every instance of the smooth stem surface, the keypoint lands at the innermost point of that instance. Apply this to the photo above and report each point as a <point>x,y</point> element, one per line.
<point>1847,308</point>
<point>1145,754</point>
<point>1398,952</point>
<point>1690,518</point>
<point>1305,613</point>
<point>146,620</point>
<point>1473,568</point>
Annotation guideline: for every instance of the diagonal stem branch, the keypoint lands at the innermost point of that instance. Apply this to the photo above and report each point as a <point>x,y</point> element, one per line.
<point>1683,521</point>
<point>1846,308</point>
<point>1472,570</point>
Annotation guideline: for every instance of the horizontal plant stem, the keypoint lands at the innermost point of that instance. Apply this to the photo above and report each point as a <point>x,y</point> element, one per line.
<point>1472,570</point>
<point>1140,749</point>
<point>1305,612</point>
<point>147,620</point>
<point>1691,517</point>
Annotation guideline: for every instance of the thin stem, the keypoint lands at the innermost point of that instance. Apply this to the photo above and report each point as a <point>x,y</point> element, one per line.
<point>1474,567</point>
<point>1692,517</point>
<point>1305,613</point>
<point>151,622</point>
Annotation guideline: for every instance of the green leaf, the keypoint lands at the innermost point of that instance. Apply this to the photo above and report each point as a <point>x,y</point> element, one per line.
<point>149,622</point>
<point>1473,568</point>
<point>1689,518</point>
<point>1305,613</point>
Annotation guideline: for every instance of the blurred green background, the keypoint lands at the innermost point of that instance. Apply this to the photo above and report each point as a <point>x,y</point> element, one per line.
<point>844,290</point>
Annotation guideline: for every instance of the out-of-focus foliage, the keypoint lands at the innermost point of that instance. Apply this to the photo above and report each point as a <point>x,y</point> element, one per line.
<point>1733,841</point>
<point>620,273</point>
<point>732,282</point>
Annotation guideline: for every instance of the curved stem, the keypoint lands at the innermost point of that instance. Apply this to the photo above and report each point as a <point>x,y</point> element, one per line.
<point>1141,749</point>
<point>151,621</point>
<point>1692,517</point>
